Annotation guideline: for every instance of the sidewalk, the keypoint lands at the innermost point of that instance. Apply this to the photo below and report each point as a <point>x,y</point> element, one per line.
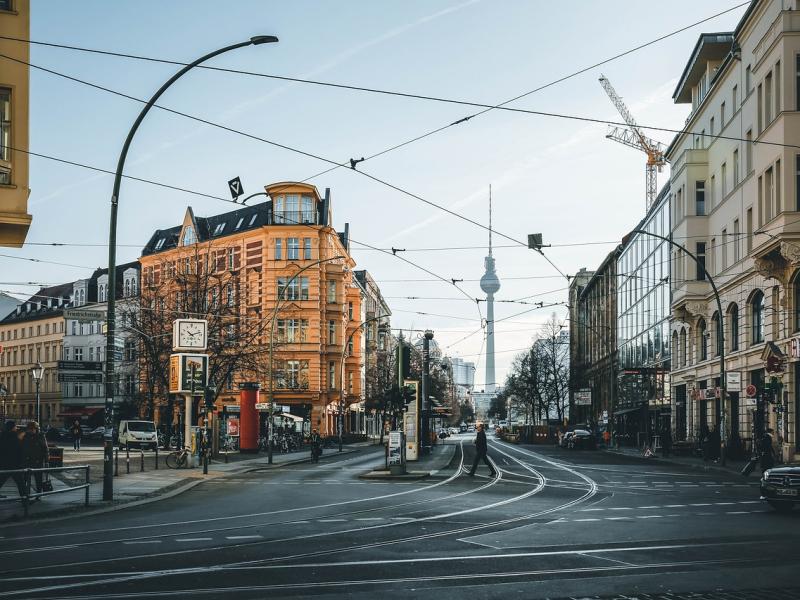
<point>732,466</point>
<point>440,456</point>
<point>138,487</point>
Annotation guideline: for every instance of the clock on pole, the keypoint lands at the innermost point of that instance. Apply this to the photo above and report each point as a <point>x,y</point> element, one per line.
<point>189,334</point>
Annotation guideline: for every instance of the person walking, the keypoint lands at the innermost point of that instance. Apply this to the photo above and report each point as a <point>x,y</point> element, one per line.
<point>77,433</point>
<point>11,456</point>
<point>480,452</point>
<point>666,439</point>
<point>34,451</point>
<point>766,451</point>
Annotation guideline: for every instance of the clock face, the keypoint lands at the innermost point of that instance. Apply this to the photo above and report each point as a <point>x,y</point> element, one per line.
<point>191,334</point>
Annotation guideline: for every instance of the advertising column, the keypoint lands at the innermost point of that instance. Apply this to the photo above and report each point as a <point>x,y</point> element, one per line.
<point>248,417</point>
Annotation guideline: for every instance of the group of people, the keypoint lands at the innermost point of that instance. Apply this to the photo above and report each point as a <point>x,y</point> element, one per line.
<point>22,449</point>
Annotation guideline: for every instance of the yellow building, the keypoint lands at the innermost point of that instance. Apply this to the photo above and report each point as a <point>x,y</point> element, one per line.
<point>14,88</point>
<point>230,269</point>
<point>33,333</point>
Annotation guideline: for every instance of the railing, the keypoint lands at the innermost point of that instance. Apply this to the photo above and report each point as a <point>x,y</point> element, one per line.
<point>26,485</point>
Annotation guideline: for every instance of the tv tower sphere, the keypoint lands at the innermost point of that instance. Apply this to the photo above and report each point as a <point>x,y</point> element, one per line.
<point>490,282</point>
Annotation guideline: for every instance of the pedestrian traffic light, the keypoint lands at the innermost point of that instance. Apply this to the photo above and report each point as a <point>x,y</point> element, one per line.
<point>210,394</point>
<point>411,395</point>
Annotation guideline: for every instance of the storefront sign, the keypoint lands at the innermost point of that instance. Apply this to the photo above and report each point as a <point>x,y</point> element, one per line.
<point>185,367</point>
<point>733,381</point>
<point>395,447</point>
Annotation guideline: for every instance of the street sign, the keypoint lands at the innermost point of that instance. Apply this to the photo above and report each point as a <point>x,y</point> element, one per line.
<point>235,187</point>
<point>583,397</point>
<point>733,381</point>
<point>231,408</point>
<point>79,365</point>
<point>80,378</point>
<point>84,316</point>
<point>750,391</point>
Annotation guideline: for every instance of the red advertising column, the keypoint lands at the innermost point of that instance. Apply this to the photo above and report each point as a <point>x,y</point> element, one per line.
<point>248,417</point>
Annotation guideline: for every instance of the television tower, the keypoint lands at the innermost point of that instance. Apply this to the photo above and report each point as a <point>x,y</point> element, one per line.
<point>490,284</point>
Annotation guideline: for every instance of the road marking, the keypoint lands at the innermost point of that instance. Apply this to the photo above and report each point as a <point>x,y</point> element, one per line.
<point>701,504</point>
<point>369,519</point>
<point>331,520</point>
<point>620,508</point>
<point>618,518</point>
<point>650,517</point>
<point>244,537</point>
<point>143,542</point>
<point>585,520</point>
<point>202,539</point>
<point>674,506</point>
<point>739,512</point>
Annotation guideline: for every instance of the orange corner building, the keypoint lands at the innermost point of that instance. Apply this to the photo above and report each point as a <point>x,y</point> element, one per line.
<point>230,269</point>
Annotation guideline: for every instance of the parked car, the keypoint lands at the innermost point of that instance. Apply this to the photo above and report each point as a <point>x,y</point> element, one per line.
<point>462,429</point>
<point>54,434</point>
<point>96,434</point>
<point>443,434</point>
<point>453,431</point>
<point>471,429</point>
<point>137,434</point>
<point>780,487</point>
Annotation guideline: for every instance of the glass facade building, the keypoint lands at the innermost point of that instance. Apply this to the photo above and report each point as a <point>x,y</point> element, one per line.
<point>643,314</point>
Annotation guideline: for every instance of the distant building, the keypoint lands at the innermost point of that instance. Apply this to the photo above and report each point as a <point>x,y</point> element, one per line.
<point>7,304</point>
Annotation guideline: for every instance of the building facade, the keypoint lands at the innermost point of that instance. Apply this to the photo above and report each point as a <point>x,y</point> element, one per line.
<point>33,334</point>
<point>736,199</point>
<point>643,404</point>
<point>14,100</point>
<point>233,268</point>
<point>593,368</point>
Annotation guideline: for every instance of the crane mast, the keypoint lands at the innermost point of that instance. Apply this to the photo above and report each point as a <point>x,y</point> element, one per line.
<point>633,137</point>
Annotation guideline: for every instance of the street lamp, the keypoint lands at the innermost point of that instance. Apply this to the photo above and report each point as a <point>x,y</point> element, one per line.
<point>108,471</point>
<point>37,371</point>
<point>3,396</point>
<point>720,336</point>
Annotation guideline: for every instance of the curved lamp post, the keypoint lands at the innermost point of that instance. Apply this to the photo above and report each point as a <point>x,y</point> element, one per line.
<point>278,301</point>
<point>720,337</point>
<point>341,371</point>
<point>108,472</point>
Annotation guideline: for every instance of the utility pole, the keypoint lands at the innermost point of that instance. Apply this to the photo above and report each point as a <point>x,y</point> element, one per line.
<point>425,404</point>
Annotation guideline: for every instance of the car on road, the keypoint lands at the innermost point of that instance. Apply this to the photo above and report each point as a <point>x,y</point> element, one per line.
<point>96,434</point>
<point>443,433</point>
<point>578,439</point>
<point>471,429</point>
<point>453,431</point>
<point>780,487</point>
<point>137,434</point>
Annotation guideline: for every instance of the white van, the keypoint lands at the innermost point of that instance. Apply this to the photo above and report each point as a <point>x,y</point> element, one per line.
<point>138,434</point>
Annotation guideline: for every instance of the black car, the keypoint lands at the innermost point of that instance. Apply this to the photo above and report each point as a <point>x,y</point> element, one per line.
<point>780,487</point>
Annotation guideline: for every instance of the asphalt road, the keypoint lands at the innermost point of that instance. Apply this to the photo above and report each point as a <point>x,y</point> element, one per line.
<point>554,524</point>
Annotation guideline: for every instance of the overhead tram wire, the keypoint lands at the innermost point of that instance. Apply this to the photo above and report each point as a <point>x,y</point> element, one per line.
<point>278,145</point>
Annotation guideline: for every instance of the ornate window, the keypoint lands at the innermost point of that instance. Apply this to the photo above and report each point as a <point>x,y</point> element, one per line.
<point>757,317</point>
<point>702,340</point>
<point>733,317</point>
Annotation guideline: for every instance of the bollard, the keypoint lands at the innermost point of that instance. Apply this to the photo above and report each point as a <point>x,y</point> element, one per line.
<point>226,456</point>
<point>205,461</point>
<point>156,457</point>
<point>127,458</point>
<point>87,486</point>
<point>141,465</point>
<point>116,462</point>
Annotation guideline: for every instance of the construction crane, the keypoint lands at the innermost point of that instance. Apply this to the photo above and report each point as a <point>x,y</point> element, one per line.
<point>632,136</point>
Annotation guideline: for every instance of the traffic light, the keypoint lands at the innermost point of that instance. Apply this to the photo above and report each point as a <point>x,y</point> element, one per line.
<point>410,395</point>
<point>210,392</point>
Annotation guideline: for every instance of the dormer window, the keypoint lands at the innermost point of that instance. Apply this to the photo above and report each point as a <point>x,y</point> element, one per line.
<point>239,223</point>
<point>189,237</point>
<point>252,220</point>
<point>219,228</point>
<point>160,243</point>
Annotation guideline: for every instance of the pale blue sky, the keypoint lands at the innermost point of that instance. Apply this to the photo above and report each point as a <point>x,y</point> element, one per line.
<point>557,177</point>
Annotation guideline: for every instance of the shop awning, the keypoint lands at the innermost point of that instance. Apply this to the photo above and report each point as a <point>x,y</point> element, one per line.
<point>79,411</point>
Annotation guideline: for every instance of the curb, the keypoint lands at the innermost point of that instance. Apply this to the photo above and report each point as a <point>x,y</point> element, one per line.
<point>165,493</point>
<point>383,475</point>
<point>667,461</point>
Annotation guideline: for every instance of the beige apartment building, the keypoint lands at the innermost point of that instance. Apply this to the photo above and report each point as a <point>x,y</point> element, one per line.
<point>735,188</point>
<point>14,89</point>
<point>33,333</point>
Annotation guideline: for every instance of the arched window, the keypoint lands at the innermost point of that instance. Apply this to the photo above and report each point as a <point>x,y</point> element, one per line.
<point>675,349</point>
<point>733,319</point>
<point>702,340</point>
<point>683,348</point>
<point>127,287</point>
<point>757,317</point>
<point>796,300</point>
<point>715,332</point>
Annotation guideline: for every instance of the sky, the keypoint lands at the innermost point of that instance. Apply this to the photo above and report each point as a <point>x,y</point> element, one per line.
<point>558,177</point>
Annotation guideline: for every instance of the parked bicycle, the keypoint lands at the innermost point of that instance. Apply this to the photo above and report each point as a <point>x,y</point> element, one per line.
<point>178,459</point>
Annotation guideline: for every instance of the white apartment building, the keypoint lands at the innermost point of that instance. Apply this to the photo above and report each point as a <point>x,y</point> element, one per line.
<point>735,197</point>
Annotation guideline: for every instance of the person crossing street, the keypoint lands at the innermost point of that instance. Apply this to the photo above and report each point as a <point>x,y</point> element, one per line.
<point>77,434</point>
<point>481,448</point>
